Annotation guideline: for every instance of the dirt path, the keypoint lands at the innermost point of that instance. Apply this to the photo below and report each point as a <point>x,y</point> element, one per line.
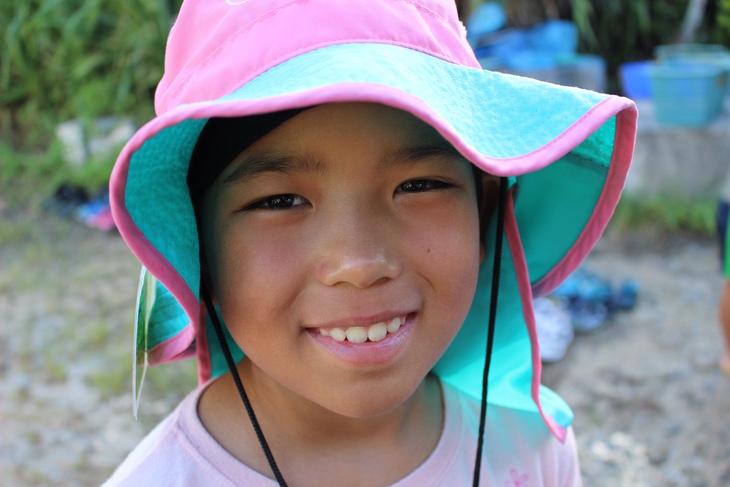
<point>651,407</point>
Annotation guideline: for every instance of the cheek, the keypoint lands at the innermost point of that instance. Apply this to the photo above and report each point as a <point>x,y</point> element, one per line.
<point>450,238</point>
<point>255,272</point>
<point>451,251</point>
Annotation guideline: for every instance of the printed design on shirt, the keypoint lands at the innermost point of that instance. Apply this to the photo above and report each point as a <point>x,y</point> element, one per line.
<point>517,479</point>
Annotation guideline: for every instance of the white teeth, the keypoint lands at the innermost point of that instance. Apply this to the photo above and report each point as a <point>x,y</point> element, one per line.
<point>338,334</point>
<point>394,325</point>
<point>361,334</point>
<point>377,332</point>
<point>357,334</point>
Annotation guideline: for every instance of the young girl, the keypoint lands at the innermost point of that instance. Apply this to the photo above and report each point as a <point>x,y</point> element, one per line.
<point>721,220</point>
<point>345,220</point>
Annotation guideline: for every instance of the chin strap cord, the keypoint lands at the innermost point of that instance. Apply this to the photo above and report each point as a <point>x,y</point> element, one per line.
<point>241,391</point>
<point>496,269</point>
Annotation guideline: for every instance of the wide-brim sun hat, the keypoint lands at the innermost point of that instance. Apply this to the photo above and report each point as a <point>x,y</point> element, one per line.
<point>564,151</point>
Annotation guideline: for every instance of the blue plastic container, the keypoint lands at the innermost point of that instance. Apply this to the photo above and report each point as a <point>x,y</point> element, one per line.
<point>503,44</point>
<point>669,51</point>
<point>585,71</point>
<point>634,79</point>
<point>486,19</point>
<point>689,95</point>
<point>696,53</point>
<point>719,59</point>
<point>555,37</point>
<point>532,64</point>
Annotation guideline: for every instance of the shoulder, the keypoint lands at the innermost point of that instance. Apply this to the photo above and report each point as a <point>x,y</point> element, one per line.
<point>146,464</point>
<point>180,452</point>
<point>517,445</point>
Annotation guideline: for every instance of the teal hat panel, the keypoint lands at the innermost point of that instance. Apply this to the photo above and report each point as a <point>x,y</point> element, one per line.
<point>158,200</point>
<point>572,186</point>
<point>498,115</point>
<point>511,367</point>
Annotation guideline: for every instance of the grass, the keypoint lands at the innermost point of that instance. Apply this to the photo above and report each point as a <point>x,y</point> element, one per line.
<point>65,59</point>
<point>86,304</point>
<point>27,179</point>
<point>667,213</point>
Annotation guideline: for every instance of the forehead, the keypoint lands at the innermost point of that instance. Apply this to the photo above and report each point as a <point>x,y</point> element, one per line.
<point>352,131</point>
<point>362,120</point>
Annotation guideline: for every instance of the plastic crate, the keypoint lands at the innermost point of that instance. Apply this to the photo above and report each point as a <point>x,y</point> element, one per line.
<point>669,51</point>
<point>634,78</point>
<point>689,94</point>
<point>720,59</point>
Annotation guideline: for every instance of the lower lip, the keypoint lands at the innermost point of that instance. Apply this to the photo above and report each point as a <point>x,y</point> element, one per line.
<point>367,353</point>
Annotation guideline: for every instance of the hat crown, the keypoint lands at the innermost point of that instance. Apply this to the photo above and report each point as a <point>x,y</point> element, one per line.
<point>216,46</point>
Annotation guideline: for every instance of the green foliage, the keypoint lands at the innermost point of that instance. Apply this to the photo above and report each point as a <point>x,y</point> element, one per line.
<point>626,30</point>
<point>722,22</point>
<point>666,212</point>
<point>65,59</point>
<point>28,178</point>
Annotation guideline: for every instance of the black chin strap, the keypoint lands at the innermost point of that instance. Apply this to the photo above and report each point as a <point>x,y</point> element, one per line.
<point>496,269</point>
<point>241,391</point>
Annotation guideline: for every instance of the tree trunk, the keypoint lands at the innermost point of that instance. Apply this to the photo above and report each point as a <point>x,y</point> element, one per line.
<point>692,20</point>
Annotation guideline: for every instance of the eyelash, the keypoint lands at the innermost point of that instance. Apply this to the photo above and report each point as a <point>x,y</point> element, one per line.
<point>422,185</point>
<point>276,202</point>
<point>287,201</point>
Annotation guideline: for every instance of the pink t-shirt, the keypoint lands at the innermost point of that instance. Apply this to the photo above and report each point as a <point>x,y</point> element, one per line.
<point>519,451</point>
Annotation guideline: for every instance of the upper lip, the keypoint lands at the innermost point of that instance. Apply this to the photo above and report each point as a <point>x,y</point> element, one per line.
<point>360,320</point>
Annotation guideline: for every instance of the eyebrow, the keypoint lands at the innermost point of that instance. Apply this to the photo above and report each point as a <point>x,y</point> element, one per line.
<point>254,165</point>
<point>411,155</point>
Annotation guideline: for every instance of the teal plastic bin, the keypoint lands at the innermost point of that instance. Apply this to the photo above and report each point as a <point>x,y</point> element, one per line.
<point>689,95</point>
<point>714,54</point>
<point>672,51</point>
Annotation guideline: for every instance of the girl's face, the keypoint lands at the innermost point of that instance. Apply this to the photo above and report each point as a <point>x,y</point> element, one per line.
<point>343,250</point>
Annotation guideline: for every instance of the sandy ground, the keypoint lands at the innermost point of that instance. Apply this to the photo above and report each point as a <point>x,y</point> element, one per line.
<point>651,407</point>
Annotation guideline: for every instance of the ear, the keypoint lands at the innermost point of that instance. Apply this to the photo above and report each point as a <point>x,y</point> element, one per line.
<point>488,196</point>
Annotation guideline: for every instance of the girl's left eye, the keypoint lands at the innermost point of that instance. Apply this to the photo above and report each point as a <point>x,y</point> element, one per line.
<point>277,202</point>
<point>420,185</point>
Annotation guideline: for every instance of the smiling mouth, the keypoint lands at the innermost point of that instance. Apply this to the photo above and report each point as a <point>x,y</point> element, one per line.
<point>361,334</point>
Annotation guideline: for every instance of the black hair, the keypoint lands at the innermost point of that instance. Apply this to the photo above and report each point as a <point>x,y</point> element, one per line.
<point>221,140</point>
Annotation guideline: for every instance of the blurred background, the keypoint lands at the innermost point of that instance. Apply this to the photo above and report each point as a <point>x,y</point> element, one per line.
<point>631,340</point>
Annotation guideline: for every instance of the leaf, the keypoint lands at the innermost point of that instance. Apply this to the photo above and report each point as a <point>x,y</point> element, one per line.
<point>145,305</point>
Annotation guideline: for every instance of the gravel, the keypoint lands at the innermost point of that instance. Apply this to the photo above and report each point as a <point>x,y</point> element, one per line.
<point>651,407</point>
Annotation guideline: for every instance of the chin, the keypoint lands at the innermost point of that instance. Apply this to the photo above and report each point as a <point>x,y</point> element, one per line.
<point>371,402</point>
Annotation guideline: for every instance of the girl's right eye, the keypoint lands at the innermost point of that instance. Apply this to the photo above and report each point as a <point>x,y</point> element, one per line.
<point>277,202</point>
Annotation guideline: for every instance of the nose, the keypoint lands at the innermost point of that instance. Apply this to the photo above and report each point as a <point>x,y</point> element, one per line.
<point>359,248</point>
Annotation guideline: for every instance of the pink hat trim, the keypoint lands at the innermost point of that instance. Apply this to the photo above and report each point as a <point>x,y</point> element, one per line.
<point>523,281</point>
